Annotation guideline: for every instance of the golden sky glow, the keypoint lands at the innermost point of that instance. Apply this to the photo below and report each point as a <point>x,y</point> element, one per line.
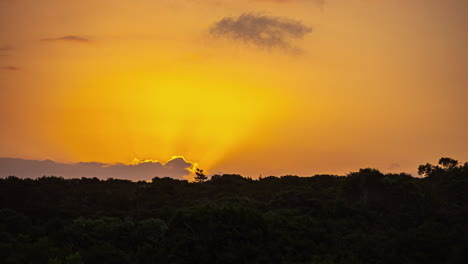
<point>334,86</point>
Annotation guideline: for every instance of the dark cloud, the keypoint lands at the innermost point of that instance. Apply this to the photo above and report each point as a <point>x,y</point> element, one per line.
<point>175,168</point>
<point>10,68</point>
<point>317,2</point>
<point>70,38</point>
<point>261,30</point>
<point>6,48</point>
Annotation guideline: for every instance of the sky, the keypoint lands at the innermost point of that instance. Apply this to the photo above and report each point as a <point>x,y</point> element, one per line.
<point>255,87</point>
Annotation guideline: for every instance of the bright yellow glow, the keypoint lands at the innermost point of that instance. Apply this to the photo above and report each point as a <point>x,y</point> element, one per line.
<point>157,115</point>
<point>190,170</point>
<point>377,83</point>
<point>137,161</point>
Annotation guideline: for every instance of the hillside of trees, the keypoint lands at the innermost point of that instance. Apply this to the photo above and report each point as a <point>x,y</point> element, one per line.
<point>364,217</point>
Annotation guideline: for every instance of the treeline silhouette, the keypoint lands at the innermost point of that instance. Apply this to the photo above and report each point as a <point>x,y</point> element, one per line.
<point>365,217</point>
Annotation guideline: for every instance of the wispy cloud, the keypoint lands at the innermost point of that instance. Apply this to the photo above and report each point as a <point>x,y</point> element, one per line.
<point>9,68</point>
<point>6,48</point>
<point>177,168</point>
<point>71,38</point>
<point>394,166</point>
<point>261,30</point>
<point>317,2</point>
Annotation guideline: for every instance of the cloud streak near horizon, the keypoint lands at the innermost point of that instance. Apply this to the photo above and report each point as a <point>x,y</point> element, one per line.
<point>6,48</point>
<point>177,168</point>
<point>71,38</point>
<point>9,68</point>
<point>261,30</point>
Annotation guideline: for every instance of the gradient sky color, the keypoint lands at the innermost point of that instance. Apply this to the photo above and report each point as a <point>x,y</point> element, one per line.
<point>254,87</point>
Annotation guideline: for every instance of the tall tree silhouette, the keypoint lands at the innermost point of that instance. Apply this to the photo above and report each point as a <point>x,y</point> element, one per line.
<point>200,176</point>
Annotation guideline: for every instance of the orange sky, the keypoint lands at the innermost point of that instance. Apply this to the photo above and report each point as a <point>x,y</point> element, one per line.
<point>254,87</point>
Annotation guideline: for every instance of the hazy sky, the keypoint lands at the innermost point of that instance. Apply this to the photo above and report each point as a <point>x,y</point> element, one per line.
<point>254,87</point>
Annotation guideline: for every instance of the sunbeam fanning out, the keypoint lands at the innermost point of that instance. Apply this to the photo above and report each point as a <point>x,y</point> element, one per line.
<point>154,116</point>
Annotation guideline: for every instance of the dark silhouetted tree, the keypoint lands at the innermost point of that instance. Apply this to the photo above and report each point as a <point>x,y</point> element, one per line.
<point>425,170</point>
<point>448,163</point>
<point>200,176</point>
<point>431,170</point>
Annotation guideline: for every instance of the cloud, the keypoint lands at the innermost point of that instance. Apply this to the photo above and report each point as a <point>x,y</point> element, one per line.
<point>70,38</point>
<point>177,168</point>
<point>394,166</point>
<point>260,30</point>
<point>317,2</point>
<point>219,3</point>
<point>10,68</point>
<point>6,48</point>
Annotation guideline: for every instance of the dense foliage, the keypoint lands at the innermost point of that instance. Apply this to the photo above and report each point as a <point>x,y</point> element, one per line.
<point>365,217</point>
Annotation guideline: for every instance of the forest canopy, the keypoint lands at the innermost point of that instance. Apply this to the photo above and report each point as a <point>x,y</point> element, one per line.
<point>364,217</point>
